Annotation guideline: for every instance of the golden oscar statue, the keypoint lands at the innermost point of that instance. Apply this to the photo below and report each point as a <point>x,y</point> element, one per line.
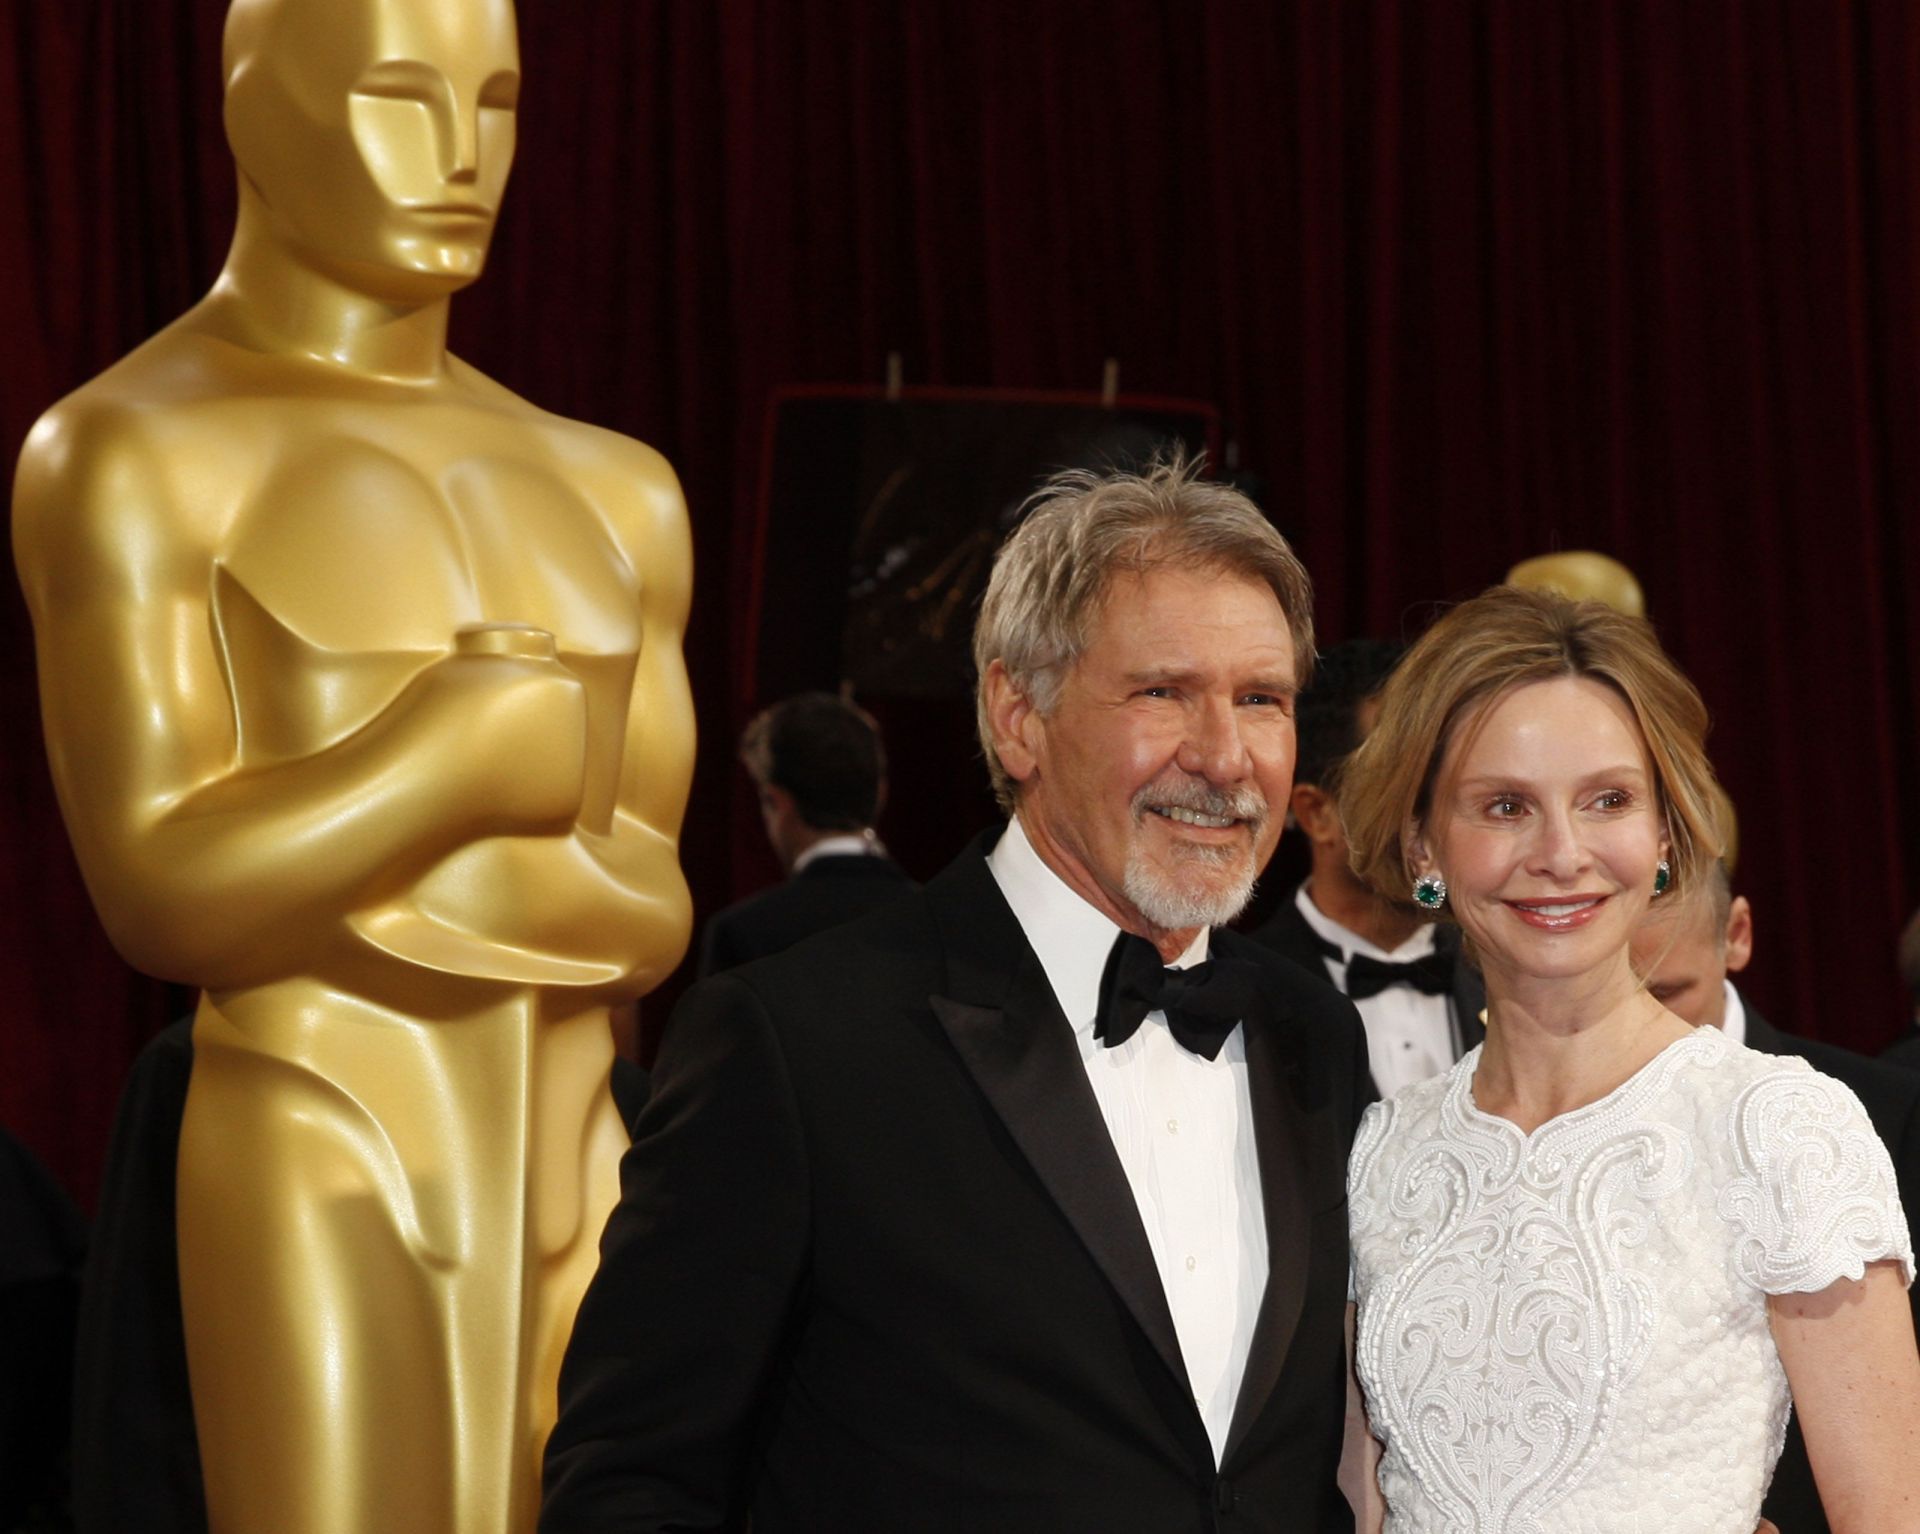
<point>363,688</point>
<point>1582,576</point>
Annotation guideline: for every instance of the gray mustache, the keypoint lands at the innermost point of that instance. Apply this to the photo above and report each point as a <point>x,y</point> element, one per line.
<point>1244,802</point>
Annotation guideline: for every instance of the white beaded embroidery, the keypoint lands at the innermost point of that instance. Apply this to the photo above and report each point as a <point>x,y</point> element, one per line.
<point>1568,1330</point>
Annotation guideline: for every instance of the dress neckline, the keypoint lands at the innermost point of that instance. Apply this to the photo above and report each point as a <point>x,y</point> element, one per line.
<point>1460,1090</point>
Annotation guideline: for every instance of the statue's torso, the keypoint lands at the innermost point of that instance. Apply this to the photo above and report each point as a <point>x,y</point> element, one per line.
<point>348,533</point>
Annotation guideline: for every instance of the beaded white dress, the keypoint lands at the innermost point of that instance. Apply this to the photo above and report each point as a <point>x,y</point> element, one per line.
<point>1566,1332</point>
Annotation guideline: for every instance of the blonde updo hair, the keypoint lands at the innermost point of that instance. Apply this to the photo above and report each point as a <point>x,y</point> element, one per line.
<point>1503,639</point>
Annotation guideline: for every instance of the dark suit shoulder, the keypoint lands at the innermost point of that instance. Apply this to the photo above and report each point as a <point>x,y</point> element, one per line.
<point>848,978</point>
<point>826,893</point>
<point>1890,1096</point>
<point>1904,1052</point>
<point>1286,933</point>
<point>1304,987</point>
<point>860,866</point>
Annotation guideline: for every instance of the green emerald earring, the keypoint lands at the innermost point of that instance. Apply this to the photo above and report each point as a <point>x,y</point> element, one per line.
<point>1430,891</point>
<point>1662,877</point>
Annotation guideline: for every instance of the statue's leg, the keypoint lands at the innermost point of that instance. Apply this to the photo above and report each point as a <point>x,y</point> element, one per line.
<point>575,1182</point>
<point>353,1251</point>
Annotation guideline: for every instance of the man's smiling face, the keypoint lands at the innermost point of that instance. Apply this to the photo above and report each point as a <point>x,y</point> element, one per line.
<point>1157,784</point>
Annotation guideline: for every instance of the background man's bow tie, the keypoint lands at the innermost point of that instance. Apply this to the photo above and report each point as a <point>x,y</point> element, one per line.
<point>1202,1004</point>
<point>1432,974</point>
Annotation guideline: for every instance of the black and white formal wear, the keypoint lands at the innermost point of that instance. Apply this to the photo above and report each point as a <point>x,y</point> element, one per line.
<point>903,1246</point>
<point>1420,1003</point>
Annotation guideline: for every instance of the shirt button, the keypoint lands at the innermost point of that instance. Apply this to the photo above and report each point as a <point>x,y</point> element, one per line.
<point>1173,1126</point>
<point>1192,1263</point>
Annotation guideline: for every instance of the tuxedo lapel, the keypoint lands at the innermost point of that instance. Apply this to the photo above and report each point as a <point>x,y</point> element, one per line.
<point>1009,1031</point>
<point>1278,1147</point>
<point>1469,996</point>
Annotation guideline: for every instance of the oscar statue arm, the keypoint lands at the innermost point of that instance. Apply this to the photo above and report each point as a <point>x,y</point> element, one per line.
<point>656,766</point>
<point>205,868</point>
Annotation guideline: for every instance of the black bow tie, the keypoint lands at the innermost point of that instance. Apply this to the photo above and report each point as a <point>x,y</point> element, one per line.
<point>1432,974</point>
<point>1202,1004</point>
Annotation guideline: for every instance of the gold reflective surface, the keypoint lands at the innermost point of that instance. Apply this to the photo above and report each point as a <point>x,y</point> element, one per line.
<point>1583,576</point>
<point>363,689</point>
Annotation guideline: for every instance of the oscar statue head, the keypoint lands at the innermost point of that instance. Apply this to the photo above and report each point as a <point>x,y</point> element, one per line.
<point>373,137</point>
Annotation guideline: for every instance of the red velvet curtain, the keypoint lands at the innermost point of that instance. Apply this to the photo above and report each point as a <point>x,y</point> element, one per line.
<point>1468,282</point>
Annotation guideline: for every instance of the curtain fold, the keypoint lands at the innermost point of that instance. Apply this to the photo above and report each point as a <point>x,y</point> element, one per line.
<point>1468,281</point>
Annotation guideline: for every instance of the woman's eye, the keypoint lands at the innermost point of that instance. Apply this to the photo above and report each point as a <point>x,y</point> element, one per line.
<point>1613,799</point>
<point>1504,809</point>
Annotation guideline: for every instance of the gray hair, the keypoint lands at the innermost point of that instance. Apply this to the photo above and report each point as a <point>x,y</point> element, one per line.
<point>1082,529</point>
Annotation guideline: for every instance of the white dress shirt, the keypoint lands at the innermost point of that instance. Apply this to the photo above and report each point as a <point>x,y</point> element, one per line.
<point>1410,1035</point>
<point>1183,1128</point>
<point>1734,1023</point>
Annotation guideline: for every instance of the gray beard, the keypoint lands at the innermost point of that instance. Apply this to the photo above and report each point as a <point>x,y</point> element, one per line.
<point>1163,901</point>
<point>1174,907</point>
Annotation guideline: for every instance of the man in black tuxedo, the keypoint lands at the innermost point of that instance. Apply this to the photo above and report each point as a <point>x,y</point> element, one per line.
<point>1419,999</point>
<point>1685,949</point>
<point>821,773</point>
<point>972,1215</point>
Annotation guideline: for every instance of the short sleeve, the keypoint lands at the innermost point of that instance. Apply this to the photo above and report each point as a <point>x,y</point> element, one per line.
<point>1367,1143</point>
<point>1813,1197</point>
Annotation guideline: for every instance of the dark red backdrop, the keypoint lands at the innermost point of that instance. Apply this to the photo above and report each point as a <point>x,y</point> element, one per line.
<point>1468,281</point>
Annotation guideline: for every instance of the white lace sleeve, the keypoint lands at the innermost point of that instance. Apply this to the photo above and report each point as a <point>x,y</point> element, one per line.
<point>1813,1197</point>
<point>1367,1141</point>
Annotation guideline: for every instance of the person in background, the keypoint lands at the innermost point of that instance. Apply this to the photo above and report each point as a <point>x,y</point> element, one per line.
<point>1905,1051</point>
<point>1417,995</point>
<point>821,772</point>
<point>1686,949</point>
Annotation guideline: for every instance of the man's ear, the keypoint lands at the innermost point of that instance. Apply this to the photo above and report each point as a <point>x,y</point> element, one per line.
<point>776,803</point>
<point>1015,724</point>
<point>1739,934</point>
<point>1315,812</point>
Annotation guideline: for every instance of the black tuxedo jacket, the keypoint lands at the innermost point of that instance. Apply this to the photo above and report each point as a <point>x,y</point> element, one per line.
<point>876,1265</point>
<point>1892,1100</point>
<point>1286,932</point>
<point>827,892</point>
<point>1903,1052</point>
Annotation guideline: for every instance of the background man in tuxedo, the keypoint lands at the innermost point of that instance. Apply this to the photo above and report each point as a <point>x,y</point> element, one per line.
<point>821,773</point>
<point>968,1216</point>
<point>1686,948</point>
<point>1418,997</point>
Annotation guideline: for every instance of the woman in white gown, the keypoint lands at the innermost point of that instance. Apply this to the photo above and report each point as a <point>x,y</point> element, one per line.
<point>1589,1260</point>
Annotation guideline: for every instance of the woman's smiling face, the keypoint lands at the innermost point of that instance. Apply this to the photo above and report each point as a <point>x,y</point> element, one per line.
<point>1546,825</point>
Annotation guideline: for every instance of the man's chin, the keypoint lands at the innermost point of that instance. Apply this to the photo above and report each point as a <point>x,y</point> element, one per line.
<point>1174,902</point>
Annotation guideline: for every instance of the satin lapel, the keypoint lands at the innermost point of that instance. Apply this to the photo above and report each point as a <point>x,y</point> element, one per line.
<point>1278,1146</point>
<point>1026,1064</point>
<point>1010,1033</point>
